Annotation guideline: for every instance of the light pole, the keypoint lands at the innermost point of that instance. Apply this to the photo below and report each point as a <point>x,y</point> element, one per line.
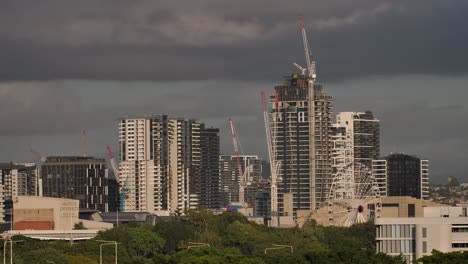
<point>276,247</point>
<point>8,240</point>
<point>107,243</point>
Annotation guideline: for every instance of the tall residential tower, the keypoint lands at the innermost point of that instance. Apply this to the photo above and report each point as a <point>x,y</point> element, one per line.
<point>165,161</point>
<point>301,122</point>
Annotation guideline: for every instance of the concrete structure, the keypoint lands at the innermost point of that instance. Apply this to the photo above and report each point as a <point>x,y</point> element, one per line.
<point>76,177</point>
<point>405,206</point>
<point>164,164</point>
<point>303,148</point>
<point>19,179</point>
<point>357,138</point>
<point>402,175</point>
<point>51,219</point>
<point>442,228</point>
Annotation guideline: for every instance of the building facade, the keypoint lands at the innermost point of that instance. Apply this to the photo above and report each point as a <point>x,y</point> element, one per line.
<point>76,177</point>
<point>402,175</point>
<point>164,165</point>
<point>209,183</point>
<point>19,179</point>
<point>358,140</point>
<point>443,229</point>
<point>302,131</point>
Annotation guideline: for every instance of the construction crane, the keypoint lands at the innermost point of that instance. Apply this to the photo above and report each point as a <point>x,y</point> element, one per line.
<point>302,69</point>
<point>311,103</point>
<point>274,163</point>
<point>38,156</point>
<point>125,189</point>
<point>243,179</point>
<point>310,64</point>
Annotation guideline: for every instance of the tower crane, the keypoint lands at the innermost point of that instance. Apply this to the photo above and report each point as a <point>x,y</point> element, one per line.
<point>38,156</point>
<point>311,108</point>
<point>243,174</point>
<point>274,163</point>
<point>125,189</point>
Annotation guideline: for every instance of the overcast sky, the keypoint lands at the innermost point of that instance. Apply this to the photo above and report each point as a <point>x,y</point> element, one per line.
<point>69,65</point>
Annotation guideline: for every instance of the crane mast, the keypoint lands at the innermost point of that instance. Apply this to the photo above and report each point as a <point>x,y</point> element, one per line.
<point>311,111</point>
<point>274,164</point>
<point>124,189</point>
<point>243,180</point>
<point>310,64</point>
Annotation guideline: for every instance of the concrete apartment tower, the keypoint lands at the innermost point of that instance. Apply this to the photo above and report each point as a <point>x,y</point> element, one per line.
<point>402,175</point>
<point>302,147</point>
<point>19,179</point>
<point>161,161</point>
<point>356,142</point>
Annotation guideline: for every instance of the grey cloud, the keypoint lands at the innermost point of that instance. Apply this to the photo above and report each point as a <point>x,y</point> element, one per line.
<point>144,40</point>
<point>31,108</point>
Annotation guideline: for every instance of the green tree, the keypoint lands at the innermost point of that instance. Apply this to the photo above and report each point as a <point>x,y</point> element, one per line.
<point>79,226</point>
<point>445,258</point>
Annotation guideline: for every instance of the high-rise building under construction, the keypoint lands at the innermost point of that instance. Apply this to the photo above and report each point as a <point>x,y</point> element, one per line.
<point>301,126</point>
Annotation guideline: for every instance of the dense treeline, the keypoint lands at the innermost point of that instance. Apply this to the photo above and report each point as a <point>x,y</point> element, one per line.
<point>231,239</point>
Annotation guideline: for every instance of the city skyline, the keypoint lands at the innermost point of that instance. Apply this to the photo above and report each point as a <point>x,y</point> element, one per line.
<point>413,78</point>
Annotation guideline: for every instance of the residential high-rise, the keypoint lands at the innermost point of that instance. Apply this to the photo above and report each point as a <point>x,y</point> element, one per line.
<point>301,124</point>
<point>402,175</point>
<point>19,179</point>
<point>76,177</point>
<point>231,176</point>
<point>162,161</point>
<point>209,183</point>
<point>358,134</point>
<point>356,142</point>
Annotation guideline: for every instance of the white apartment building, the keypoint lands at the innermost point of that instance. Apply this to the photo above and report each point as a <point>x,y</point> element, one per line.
<point>443,229</point>
<point>159,163</point>
<point>356,139</point>
<point>356,142</point>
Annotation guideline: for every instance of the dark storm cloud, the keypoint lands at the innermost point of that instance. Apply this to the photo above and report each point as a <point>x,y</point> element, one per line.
<point>145,40</point>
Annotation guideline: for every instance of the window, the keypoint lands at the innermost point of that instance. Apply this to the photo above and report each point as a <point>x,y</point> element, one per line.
<point>424,232</point>
<point>424,247</point>
<point>459,245</point>
<point>411,210</point>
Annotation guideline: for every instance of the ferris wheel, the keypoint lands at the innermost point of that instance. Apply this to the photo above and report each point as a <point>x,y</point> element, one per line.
<point>354,196</point>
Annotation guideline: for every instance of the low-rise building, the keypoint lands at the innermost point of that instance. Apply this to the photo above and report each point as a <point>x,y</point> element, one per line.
<point>51,218</point>
<point>443,229</point>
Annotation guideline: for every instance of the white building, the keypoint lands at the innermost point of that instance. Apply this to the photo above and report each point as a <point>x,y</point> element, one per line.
<point>356,142</point>
<point>19,179</point>
<point>356,138</point>
<point>443,229</point>
<point>160,163</point>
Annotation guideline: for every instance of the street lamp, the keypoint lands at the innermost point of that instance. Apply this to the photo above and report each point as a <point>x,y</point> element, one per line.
<point>276,247</point>
<point>107,243</point>
<point>8,240</point>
